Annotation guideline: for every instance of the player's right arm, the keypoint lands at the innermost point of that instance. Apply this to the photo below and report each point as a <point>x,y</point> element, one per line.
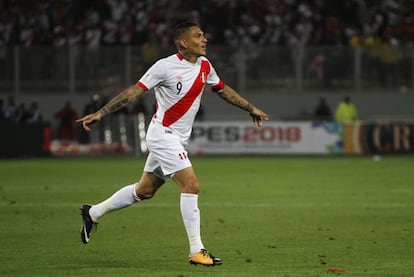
<point>124,98</point>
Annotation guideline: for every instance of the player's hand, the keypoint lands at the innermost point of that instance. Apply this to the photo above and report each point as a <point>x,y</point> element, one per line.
<point>258,116</point>
<point>89,119</point>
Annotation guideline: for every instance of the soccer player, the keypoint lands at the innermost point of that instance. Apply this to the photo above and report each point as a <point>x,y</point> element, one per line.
<point>178,82</point>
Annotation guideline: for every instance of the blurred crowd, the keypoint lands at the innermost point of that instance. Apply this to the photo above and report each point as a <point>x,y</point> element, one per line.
<point>11,112</point>
<point>232,22</point>
<point>380,26</point>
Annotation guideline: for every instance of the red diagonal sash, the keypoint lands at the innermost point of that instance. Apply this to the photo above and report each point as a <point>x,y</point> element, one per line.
<point>176,111</point>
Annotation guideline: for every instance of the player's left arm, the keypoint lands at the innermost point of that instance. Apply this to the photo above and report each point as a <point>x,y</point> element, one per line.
<point>232,97</point>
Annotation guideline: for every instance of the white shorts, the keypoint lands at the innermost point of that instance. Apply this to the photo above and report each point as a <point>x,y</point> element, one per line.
<point>166,153</point>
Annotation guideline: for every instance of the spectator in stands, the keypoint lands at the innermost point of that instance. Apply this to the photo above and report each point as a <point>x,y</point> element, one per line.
<point>262,22</point>
<point>66,116</point>
<point>23,113</point>
<point>346,111</point>
<point>322,110</point>
<point>35,115</point>
<point>11,110</point>
<point>92,40</point>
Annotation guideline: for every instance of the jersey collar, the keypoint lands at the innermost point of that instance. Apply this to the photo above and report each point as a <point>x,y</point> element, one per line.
<point>180,57</point>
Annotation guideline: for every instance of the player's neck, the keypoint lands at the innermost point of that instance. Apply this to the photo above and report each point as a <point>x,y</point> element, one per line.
<point>189,57</point>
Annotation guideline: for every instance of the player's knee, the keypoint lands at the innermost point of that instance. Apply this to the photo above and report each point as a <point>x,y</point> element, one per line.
<point>187,181</point>
<point>145,194</point>
<point>145,191</point>
<point>148,186</point>
<point>191,187</point>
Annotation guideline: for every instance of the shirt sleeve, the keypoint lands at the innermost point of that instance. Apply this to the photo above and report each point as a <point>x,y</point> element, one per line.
<point>217,85</point>
<point>153,77</point>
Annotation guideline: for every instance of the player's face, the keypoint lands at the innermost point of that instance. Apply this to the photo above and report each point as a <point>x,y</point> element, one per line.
<point>196,41</point>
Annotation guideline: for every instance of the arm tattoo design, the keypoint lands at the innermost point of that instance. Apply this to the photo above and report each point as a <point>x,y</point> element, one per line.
<point>121,100</point>
<point>234,98</point>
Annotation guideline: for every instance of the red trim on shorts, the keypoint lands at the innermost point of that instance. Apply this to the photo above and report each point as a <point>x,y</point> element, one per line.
<point>176,111</point>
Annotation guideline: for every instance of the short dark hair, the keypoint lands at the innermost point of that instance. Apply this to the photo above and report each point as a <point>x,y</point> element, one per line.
<point>180,28</point>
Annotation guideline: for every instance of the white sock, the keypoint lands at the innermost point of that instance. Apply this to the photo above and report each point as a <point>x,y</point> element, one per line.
<point>124,197</point>
<point>191,218</point>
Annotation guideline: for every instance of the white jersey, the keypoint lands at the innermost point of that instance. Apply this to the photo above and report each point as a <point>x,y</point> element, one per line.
<point>178,86</point>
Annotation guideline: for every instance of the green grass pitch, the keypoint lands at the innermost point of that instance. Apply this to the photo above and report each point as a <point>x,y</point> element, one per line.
<point>263,216</point>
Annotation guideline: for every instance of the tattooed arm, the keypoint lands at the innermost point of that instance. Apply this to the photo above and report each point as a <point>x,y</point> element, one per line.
<point>232,97</point>
<point>124,98</point>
